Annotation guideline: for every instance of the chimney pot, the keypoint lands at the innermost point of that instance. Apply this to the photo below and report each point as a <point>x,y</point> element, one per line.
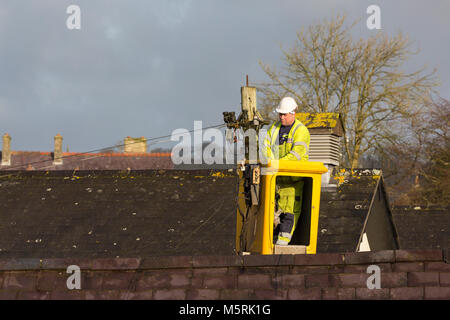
<point>6,152</point>
<point>135,145</point>
<point>57,156</point>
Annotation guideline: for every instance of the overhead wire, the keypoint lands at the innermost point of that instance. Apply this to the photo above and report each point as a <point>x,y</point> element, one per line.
<point>9,168</point>
<point>156,140</point>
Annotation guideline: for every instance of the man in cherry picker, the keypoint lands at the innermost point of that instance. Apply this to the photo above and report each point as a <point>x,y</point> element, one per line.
<point>287,139</point>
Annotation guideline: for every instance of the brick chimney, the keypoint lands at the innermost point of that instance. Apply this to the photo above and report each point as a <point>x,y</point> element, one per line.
<point>57,155</point>
<point>135,145</point>
<point>6,152</point>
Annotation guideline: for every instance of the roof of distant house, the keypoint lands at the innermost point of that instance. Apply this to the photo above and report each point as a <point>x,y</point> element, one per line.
<point>37,160</point>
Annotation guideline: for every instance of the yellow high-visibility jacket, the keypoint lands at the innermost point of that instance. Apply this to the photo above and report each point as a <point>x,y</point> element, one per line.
<point>295,148</point>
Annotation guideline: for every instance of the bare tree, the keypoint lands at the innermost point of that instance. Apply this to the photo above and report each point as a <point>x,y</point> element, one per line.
<point>327,71</point>
<point>417,165</point>
<point>435,168</point>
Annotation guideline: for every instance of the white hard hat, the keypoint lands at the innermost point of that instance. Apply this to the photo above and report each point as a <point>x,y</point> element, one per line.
<point>287,105</point>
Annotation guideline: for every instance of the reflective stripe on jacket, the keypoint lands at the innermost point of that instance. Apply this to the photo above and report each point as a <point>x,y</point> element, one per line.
<point>296,146</point>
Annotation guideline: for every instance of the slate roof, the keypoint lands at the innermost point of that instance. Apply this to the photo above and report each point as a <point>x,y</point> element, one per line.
<point>87,214</point>
<point>37,160</point>
<point>139,213</point>
<point>423,228</point>
<point>345,209</point>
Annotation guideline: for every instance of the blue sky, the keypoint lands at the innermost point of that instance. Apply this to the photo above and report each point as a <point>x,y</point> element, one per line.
<point>145,68</point>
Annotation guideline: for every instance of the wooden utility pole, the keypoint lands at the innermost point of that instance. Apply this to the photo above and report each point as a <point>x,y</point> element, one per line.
<point>248,101</point>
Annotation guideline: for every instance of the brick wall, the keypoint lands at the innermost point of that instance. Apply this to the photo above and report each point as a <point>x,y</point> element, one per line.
<point>405,274</point>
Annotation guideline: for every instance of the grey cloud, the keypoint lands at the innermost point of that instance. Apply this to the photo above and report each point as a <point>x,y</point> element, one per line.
<point>145,68</point>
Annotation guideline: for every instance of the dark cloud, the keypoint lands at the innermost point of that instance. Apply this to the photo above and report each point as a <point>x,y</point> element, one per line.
<point>144,68</point>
